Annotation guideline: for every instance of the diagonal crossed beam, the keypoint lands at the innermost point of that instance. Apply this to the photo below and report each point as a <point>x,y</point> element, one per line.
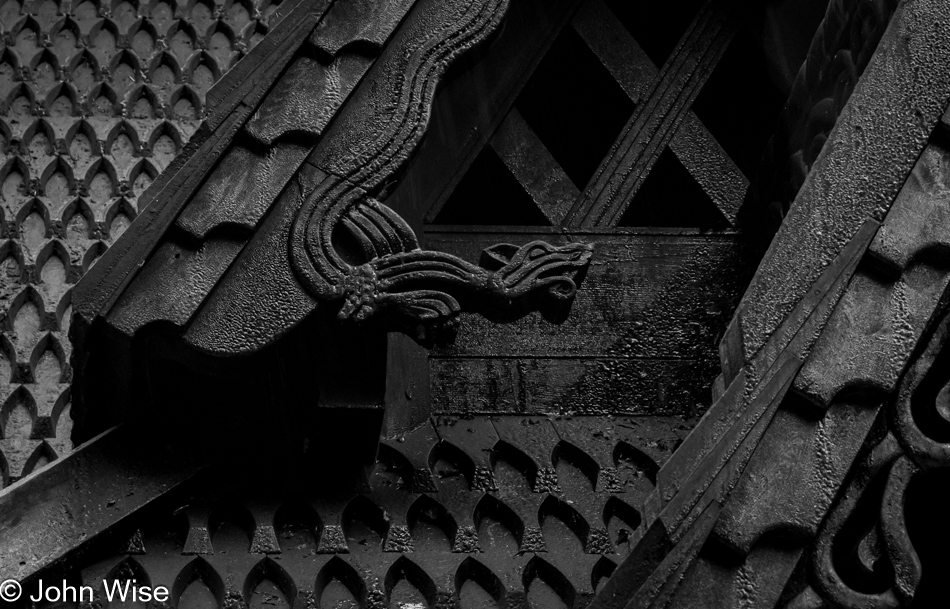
<point>542,177</point>
<point>663,115</point>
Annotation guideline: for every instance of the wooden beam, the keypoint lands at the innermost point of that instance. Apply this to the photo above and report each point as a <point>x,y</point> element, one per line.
<point>75,500</point>
<point>693,144</point>
<point>704,469</point>
<point>656,121</point>
<point>465,114</point>
<point>878,138</point>
<point>531,163</point>
<point>873,147</point>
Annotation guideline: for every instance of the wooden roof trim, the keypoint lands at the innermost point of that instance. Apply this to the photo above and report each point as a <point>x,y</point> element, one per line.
<point>231,102</point>
<point>870,152</point>
<point>74,501</point>
<point>810,265</point>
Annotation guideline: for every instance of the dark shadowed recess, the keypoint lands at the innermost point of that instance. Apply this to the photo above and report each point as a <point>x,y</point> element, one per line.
<point>743,98</point>
<point>929,528</point>
<point>671,197</point>
<point>283,403</point>
<point>740,103</point>
<point>657,26</point>
<point>575,106</point>
<point>490,194</point>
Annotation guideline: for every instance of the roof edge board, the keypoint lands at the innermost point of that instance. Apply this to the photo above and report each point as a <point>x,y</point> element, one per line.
<point>245,86</point>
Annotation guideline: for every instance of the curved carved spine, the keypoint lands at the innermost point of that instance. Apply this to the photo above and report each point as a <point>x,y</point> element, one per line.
<point>419,292</point>
<point>322,270</point>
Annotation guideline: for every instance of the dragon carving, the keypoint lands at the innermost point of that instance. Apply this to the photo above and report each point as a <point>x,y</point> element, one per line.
<point>393,280</point>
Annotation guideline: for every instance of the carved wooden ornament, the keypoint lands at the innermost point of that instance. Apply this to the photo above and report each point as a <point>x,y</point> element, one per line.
<point>417,291</point>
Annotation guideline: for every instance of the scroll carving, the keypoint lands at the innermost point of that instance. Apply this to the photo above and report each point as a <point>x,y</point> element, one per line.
<point>409,289</point>
<point>864,555</point>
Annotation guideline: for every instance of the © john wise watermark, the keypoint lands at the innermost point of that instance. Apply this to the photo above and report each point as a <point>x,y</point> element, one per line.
<point>115,590</point>
<point>10,590</point>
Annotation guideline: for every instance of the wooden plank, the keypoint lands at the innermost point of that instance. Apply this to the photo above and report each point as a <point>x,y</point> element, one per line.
<point>69,504</point>
<point>645,295</point>
<point>656,121</point>
<point>639,386</point>
<point>670,527</point>
<point>408,397</point>
<point>802,332</point>
<point>724,441</point>
<point>711,166</point>
<point>241,188</point>
<point>531,163</point>
<point>249,80</point>
<point>616,49</point>
<point>465,114</point>
<point>640,338</point>
<point>103,283</point>
<point>172,283</point>
<point>693,145</point>
<point>875,143</point>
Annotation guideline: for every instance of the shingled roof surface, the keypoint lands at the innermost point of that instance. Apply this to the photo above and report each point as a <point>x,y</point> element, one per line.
<point>97,99</point>
<point>264,159</point>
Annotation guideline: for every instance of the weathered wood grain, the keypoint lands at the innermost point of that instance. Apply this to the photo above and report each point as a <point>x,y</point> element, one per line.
<point>641,336</point>
<point>465,114</point>
<point>874,145</point>
<point>656,121</point>
<point>307,96</point>
<point>645,295</point>
<point>693,145</point>
<point>534,167</point>
<point>592,385</point>
<point>53,513</point>
<point>230,107</point>
<point>173,283</point>
<point>241,189</point>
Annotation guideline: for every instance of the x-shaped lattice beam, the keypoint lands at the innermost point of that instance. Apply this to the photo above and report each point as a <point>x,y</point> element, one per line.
<point>663,99</point>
